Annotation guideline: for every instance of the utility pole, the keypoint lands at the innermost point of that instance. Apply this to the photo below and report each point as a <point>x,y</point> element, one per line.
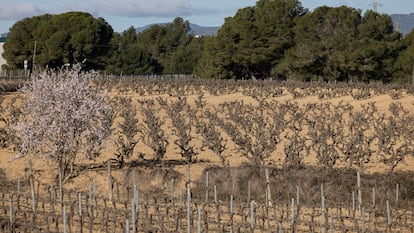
<point>413,76</point>
<point>34,55</point>
<point>375,5</point>
<point>398,27</point>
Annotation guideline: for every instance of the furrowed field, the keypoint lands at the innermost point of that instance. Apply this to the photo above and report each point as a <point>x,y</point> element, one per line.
<point>189,155</point>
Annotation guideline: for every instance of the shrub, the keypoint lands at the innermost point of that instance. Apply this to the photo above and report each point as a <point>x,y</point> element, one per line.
<point>152,133</point>
<point>127,129</point>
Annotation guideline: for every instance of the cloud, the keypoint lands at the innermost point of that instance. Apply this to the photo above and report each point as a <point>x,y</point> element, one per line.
<point>126,8</point>
<point>18,11</point>
<point>145,8</point>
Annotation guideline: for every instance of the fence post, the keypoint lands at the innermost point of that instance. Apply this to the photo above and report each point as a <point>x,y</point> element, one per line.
<point>126,226</point>
<point>80,212</point>
<point>206,186</point>
<point>373,197</point>
<point>64,218</point>
<point>363,220</point>
<point>60,187</point>
<point>323,215</point>
<point>252,216</point>
<point>135,211</point>
<point>248,191</point>
<point>133,215</point>
<point>293,215</point>
<point>353,204</point>
<point>172,193</point>
<point>188,200</point>
<point>388,217</point>
<point>18,193</point>
<point>397,194</point>
<point>231,213</point>
<point>359,190</point>
<point>32,188</point>
<point>11,214</point>
<point>297,195</point>
<point>215,195</point>
<point>269,196</point>
<point>331,224</point>
<point>110,180</point>
<point>198,220</point>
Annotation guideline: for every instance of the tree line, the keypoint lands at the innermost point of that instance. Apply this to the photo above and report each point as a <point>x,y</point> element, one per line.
<point>275,38</point>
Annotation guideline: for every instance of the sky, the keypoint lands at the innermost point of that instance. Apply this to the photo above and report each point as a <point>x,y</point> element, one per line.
<point>121,14</point>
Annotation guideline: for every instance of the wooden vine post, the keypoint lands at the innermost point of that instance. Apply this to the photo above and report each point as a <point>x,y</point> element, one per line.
<point>206,187</point>
<point>188,199</point>
<point>110,181</point>
<point>359,190</point>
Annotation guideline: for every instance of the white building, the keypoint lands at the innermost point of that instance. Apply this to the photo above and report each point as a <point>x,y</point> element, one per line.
<point>2,60</point>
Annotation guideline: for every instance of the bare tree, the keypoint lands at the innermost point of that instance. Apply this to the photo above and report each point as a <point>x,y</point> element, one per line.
<point>64,114</point>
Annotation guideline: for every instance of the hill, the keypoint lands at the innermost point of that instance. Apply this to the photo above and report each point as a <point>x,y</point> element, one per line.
<point>405,22</point>
<point>195,29</point>
<point>402,22</point>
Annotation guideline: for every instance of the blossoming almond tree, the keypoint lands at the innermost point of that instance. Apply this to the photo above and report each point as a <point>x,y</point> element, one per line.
<point>64,115</point>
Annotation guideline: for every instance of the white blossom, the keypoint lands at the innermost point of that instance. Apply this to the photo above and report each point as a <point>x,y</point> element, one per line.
<point>64,114</point>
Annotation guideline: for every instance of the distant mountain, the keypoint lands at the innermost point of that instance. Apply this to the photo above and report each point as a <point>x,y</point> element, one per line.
<point>403,22</point>
<point>203,31</point>
<point>195,29</point>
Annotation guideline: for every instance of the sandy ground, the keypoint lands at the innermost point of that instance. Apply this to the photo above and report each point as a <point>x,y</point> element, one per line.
<point>46,172</point>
